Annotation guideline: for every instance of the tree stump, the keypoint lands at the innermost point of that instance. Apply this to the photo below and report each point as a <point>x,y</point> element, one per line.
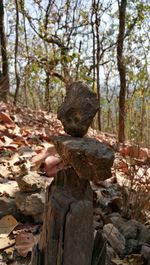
<point>67,235</point>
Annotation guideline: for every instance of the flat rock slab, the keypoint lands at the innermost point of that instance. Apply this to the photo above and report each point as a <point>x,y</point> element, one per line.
<point>78,109</point>
<point>90,159</point>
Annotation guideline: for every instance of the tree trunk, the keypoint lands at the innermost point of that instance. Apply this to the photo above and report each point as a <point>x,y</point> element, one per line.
<point>97,24</point>
<point>122,70</point>
<point>16,54</point>
<point>47,92</point>
<point>4,78</point>
<point>93,55</point>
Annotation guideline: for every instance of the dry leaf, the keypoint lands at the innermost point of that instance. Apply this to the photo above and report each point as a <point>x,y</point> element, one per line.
<point>6,118</point>
<point>6,242</point>
<point>4,172</point>
<point>133,259</point>
<point>7,224</point>
<point>10,250</point>
<point>9,188</point>
<point>24,243</point>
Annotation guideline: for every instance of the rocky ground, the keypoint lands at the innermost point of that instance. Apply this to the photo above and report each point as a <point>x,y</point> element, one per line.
<point>121,202</point>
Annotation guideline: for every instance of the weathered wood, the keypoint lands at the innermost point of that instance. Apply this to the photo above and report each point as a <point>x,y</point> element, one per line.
<point>78,109</point>
<point>99,250</point>
<point>67,235</point>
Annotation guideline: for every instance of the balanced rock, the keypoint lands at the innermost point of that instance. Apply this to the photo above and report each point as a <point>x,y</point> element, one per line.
<point>78,109</point>
<point>90,159</point>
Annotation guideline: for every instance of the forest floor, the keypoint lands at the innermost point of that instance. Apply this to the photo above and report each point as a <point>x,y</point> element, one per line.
<point>122,201</point>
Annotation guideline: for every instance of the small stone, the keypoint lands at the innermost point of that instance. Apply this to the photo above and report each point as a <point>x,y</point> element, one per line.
<point>129,229</point>
<point>9,188</point>
<point>132,246</point>
<point>7,206</point>
<point>145,251</point>
<point>144,233</point>
<point>110,254</point>
<point>78,109</point>
<point>90,159</point>
<point>30,182</point>
<point>96,225</point>
<point>31,203</point>
<point>115,238</point>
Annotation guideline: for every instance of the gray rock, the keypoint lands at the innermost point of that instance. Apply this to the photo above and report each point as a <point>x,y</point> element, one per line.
<point>132,246</point>
<point>145,251</point>
<point>89,158</point>
<point>96,225</point>
<point>7,206</point>
<point>110,255</point>
<point>129,229</point>
<point>31,203</point>
<point>115,238</point>
<point>144,233</point>
<point>78,109</point>
<point>30,182</point>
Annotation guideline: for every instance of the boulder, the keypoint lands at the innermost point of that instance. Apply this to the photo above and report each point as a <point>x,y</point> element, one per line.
<point>78,109</point>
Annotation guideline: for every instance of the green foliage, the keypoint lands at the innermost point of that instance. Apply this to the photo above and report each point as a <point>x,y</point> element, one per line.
<point>57,41</point>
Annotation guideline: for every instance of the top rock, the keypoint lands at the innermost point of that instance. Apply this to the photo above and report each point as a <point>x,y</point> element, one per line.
<point>78,109</point>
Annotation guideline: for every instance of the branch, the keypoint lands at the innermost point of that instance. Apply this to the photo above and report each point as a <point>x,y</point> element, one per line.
<point>52,39</point>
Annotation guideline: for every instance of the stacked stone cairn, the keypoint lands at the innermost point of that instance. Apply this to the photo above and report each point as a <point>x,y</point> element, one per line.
<point>67,236</point>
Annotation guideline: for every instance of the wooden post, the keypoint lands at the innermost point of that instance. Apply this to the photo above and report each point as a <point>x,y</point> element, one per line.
<point>67,234</point>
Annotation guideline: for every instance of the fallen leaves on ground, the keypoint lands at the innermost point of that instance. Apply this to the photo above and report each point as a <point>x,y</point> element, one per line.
<point>134,259</point>
<point>7,224</point>
<point>6,242</point>
<point>25,142</point>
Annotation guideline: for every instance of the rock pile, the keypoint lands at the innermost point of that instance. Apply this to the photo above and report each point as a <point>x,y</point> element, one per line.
<point>128,240</point>
<point>30,198</point>
<point>67,234</point>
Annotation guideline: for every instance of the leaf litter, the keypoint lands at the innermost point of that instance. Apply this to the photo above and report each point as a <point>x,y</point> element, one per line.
<point>25,139</point>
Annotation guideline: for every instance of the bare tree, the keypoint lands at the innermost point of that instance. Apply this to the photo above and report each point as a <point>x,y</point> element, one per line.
<point>121,69</point>
<point>4,78</point>
<point>16,53</point>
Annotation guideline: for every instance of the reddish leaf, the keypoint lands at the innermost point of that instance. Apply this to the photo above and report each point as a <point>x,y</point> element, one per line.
<point>6,119</point>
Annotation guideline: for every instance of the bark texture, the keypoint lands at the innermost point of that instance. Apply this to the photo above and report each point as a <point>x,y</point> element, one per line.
<point>4,76</point>
<point>122,70</point>
<point>67,235</point>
